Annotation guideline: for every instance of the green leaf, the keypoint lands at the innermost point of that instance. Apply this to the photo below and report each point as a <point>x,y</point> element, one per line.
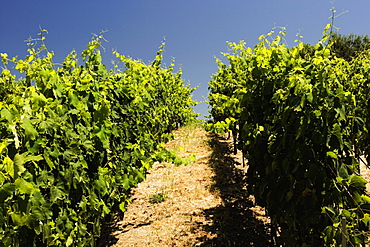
<point>6,191</point>
<point>2,178</point>
<point>38,213</point>
<point>341,113</point>
<point>126,182</point>
<point>3,145</point>
<point>106,209</point>
<point>29,129</point>
<point>122,206</point>
<point>357,197</point>
<point>329,209</point>
<point>326,53</point>
<point>19,161</point>
<point>83,203</point>
<point>30,58</point>
<point>8,165</point>
<point>102,113</point>
<point>74,112</point>
<point>346,213</point>
<point>35,158</point>
<point>366,199</point>
<point>69,241</point>
<point>338,134</point>
<point>101,134</point>
<point>356,181</point>
<point>332,155</point>
<point>343,171</point>
<point>5,113</point>
<point>73,99</point>
<point>19,220</point>
<point>309,97</point>
<point>24,187</point>
<point>48,161</point>
<point>56,193</point>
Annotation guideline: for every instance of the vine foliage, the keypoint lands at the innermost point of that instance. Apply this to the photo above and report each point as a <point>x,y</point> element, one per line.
<point>303,122</point>
<point>75,138</point>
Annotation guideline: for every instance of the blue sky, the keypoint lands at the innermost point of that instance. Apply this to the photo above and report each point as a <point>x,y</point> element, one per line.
<point>196,30</point>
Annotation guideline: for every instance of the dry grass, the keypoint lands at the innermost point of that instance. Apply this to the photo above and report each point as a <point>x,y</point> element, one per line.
<point>201,204</point>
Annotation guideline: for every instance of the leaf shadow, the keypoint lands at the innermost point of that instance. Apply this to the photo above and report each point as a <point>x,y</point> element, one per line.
<point>234,223</point>
<point>109,227</point>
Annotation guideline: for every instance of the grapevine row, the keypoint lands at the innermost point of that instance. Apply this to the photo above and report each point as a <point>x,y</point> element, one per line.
<point>75,138</point>
<point>302,119</point>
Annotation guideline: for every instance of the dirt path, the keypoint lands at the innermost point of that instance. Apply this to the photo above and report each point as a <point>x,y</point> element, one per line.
<point>201,204</point>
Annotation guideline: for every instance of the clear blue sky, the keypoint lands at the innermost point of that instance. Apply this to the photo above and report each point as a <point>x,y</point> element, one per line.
<point>195,30</point>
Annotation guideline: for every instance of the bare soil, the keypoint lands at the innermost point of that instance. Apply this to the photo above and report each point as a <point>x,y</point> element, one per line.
<point>204,203</point>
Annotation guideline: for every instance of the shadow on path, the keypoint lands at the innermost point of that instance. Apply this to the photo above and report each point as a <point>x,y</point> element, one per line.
<point>234,222</point>
<point>109,226</point>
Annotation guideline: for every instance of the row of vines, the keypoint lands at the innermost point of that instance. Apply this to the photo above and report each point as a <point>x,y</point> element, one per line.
<point>301,116</point>
<point>76,137</point>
